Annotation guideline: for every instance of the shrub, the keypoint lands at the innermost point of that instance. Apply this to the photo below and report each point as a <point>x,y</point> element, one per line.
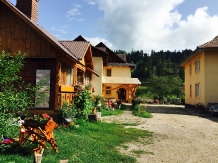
<point>16,96</point>
<point>173,100</point>
<point>98,99</point>
<point>82,102</point>
<point>67,111</point>
<point>137,101</point>
<point>140,111</point>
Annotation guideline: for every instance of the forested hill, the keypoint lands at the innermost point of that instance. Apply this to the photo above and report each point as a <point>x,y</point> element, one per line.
<point>162,63</point>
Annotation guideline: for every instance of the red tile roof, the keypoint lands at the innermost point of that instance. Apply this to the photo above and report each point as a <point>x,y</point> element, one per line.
<point>211,44</point>
<point>78,48</point>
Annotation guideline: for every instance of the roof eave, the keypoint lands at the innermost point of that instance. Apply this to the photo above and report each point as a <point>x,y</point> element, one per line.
<point>190,57</point>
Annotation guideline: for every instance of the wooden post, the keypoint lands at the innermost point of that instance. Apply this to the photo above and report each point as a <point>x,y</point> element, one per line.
<point>38,156</point>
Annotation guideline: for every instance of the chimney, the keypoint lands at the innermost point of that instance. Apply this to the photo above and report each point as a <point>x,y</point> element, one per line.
<point>29,8</point>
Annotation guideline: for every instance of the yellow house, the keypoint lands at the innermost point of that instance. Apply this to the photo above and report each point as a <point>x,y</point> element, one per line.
<point>116,76</point>
<point>114,80</point>
<point>201,74</point>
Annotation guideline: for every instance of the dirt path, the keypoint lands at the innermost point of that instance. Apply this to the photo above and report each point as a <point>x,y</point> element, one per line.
<point>180,136</point>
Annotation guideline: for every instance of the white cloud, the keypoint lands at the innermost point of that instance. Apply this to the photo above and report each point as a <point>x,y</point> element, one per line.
<point>96,40</point>
<point>91,2</point>
<point>74,12</point>
<point>157,25</point>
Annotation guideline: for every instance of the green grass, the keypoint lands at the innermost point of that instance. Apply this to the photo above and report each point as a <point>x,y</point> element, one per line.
<point>105,112</point>
<point>139,152</point>
<point>90,143</point>
<point>142,113</point>
<point>140,110</point>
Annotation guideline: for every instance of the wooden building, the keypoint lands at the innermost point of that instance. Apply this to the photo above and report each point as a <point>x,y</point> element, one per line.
<point>46,56</point>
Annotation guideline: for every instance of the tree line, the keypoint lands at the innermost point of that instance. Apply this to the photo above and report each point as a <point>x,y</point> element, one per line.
<point>160,63</point>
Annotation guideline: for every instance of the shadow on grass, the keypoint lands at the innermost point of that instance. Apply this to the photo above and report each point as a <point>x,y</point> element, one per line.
<point>15,149</point>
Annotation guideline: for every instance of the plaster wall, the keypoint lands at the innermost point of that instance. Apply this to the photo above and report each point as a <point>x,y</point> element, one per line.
<point>211,76</point>
<point>97,81</point>
<point>193,78</point>
<point>118,71</point>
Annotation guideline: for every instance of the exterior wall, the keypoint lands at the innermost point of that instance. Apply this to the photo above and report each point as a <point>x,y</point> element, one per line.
<point>114,88</point>
<point>211,76</point>
<point>118,71</point>
<point>29,75</point>
<point>97,81</point>
<point>16,35</point>
<point>195,78</point>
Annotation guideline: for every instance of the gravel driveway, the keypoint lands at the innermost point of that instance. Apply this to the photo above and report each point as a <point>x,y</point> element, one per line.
<point>180,135</point>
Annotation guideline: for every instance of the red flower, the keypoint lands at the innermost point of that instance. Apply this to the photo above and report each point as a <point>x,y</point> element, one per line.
<point>45,116</point>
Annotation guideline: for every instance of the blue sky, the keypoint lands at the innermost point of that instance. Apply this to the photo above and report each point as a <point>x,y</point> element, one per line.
<point>132,24</point>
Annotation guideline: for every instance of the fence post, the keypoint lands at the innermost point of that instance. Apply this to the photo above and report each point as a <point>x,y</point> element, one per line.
<point>38,156</point>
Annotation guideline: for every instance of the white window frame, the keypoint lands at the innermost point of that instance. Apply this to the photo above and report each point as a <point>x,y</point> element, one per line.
<point>197,65</point>
<point>197,90</point>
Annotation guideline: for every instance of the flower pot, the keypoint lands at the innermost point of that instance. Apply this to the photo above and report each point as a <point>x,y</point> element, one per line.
<point>34,124</point>
<point>92,117</point>
<point>72,123</point>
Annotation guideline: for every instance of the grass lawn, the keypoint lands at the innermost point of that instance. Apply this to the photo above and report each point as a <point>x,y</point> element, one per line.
<point>89,143</point>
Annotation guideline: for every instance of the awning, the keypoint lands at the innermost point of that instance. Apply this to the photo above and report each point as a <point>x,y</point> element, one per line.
<point>92,71</point>
<point>120,80</point>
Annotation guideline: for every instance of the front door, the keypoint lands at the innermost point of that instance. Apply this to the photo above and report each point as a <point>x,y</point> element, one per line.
<point>122,94</point>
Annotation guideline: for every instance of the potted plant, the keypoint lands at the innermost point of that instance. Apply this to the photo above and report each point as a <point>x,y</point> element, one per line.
<point>67,113</point>
<point>37,120</point>
<point>98,102</point>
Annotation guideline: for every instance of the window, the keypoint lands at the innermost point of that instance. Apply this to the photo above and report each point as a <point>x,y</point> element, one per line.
<point>197,90</point>
<point>80,76</point>
<point>108,72</point>
<point>63,67</point>
<point>87,78</point>
<point>72,75</point>
<point>190,69</point>
<point>68,75</point>
<point>197,65</point>
<point>190,90</point>
<point>108,90</point>
<point>44,91</point>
